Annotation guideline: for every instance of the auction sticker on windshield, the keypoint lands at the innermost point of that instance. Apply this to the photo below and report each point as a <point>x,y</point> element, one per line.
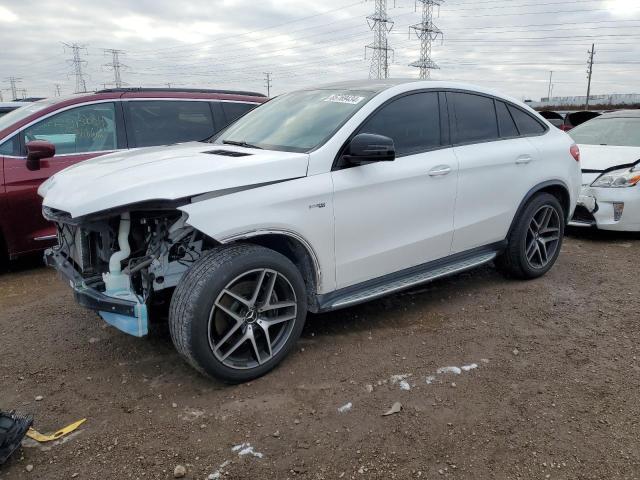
<point>340,98</point>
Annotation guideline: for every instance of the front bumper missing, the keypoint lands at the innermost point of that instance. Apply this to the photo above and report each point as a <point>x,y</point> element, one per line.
<point>126,315</point>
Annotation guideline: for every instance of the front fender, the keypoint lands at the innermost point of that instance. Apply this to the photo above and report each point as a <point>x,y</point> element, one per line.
<point>301,208</point>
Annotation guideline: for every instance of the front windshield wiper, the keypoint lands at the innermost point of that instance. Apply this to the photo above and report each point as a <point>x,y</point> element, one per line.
<point>241,144</point>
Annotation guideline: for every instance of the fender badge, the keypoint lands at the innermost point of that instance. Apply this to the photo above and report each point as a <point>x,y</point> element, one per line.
<point>317,205</point>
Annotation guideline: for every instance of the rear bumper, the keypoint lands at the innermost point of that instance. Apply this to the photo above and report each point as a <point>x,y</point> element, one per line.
<point>127,315</point>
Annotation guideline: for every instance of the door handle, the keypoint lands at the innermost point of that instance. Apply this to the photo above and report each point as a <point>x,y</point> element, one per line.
<point>523,159</point>
<point>439,171</point>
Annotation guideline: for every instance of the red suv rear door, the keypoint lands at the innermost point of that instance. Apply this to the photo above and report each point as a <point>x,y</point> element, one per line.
<point>79,133</point>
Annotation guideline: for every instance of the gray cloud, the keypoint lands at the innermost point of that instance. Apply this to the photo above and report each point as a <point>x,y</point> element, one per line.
<point>509,45</point>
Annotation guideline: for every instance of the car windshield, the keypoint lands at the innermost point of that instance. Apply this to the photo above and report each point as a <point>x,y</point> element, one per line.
<point>22,112</point>
<point>295,122</point>
<point>618,131</point>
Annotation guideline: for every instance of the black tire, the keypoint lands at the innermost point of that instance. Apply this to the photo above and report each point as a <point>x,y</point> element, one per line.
<point>4,256</point>
<point>514,262</point>
<point>198,294</point>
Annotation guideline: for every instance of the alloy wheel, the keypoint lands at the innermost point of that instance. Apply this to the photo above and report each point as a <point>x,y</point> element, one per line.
<point>252,318</point>
<point>543,237</point>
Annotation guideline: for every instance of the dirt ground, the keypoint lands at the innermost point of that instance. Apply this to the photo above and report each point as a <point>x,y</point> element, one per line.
<point>555,391</point>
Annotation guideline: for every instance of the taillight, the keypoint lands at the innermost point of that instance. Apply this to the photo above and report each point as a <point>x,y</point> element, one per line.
<point>565,128</point>
<point>575,152</point>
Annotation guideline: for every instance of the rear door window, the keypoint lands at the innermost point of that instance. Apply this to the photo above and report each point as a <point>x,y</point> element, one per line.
<point>412,122</point>
<point>526,123</point>
<point>234,110</point>
<point>163,122</point>
<point>89,128</point>
<point>505,122</point>
<point>475,117</point>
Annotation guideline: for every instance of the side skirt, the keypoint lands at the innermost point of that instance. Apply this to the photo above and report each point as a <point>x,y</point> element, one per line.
<point>394,282</point>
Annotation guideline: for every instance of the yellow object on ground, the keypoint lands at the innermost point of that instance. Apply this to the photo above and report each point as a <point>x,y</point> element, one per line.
<point>39,437</point>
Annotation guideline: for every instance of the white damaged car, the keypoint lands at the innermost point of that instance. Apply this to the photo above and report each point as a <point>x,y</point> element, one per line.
<point>610,160</point>
<point>316,200</point>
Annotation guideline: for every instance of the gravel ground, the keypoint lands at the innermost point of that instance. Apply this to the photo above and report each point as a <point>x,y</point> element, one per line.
<point>550,387</point>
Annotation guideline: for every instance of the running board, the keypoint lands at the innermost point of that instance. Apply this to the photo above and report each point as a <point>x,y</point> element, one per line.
<point>407,281</point>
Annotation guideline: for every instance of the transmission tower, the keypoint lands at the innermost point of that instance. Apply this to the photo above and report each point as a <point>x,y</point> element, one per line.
<point>77,63</point>
<point>13,86</point>
<point>57,87</point>
<point>268,82</point>
<point>381,25</point>
<point>115,65</point>
<point>426,32</point>
<point>591,53</point>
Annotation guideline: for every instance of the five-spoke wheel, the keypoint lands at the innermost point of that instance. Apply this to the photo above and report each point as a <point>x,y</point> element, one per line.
<point>535,239</point>
<point>238,311</point>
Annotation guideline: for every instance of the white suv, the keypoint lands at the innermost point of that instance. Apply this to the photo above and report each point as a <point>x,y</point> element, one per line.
<point>317,200</point>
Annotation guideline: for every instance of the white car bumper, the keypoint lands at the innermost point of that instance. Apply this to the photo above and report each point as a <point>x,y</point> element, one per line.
<point>608,208</point>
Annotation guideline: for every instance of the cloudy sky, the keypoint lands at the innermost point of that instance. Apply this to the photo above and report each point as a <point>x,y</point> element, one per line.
<point>509,45</point>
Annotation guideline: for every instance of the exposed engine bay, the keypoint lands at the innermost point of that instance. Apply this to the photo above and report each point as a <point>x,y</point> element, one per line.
<point>128,256</point>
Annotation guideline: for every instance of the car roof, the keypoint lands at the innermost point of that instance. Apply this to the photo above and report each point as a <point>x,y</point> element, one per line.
<point>621,114</point>
<point>378,86</point>
<point>56,103</point>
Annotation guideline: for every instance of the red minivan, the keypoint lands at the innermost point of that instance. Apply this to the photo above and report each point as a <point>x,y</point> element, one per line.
<point>87,125</point>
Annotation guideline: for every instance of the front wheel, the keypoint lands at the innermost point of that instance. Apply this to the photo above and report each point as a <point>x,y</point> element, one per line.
<point>535,242</point>
<point>238,312</point>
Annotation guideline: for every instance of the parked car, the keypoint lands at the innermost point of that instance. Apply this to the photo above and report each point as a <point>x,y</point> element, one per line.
<point>6,107</point>
<point>573,119</point>
<point>554,118</point>
<point>85,126</point>
<point>317,200</point>
<point>610,149</point>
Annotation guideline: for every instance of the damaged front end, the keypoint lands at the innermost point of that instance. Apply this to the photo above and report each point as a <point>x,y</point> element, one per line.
<point>119,263</point>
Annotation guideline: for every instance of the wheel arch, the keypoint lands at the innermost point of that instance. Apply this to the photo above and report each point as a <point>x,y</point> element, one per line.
<point>293,246</point>
<point>557,188</point>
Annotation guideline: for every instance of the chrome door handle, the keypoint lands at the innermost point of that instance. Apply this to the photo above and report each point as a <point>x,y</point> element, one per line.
<point>523,159</point>
<point>439,171</point>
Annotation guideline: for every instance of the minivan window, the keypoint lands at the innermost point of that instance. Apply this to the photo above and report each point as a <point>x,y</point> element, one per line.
<point>505,122</point>
<point>525,122</point>
<point>162,122</point>
<point>475,118</point>
<point>296,122</point>
<point>89,128</point>
<point>234,110</point>
<point>21,113</point>
<point>411,121</point>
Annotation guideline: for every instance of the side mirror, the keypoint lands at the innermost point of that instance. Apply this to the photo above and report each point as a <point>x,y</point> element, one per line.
<point>36,151</point>
<point>369,147</point>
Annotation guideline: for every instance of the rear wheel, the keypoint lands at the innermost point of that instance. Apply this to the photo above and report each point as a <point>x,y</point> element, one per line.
<point>535,242</point>
<point>238,312</point>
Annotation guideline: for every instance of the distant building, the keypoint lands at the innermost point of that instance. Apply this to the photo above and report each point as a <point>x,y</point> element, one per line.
<point>615,100</point>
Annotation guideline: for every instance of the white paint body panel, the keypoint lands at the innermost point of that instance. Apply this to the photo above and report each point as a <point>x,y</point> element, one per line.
<point>374,220</point>
<point>393,215</point>
<point>166,173</point>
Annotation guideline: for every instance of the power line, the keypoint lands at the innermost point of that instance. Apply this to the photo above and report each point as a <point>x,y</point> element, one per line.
<point>427,32</point>
<point>381,24</point>
<point>115,65</point>
<point>77,63</point>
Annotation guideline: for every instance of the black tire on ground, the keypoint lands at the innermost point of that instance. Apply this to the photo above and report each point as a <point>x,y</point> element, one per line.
<point>4,256</point>
<point>513,262</point>
<point>194,298</point>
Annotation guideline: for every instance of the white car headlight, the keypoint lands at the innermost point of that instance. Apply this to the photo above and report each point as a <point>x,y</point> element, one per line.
<point>625,177</point>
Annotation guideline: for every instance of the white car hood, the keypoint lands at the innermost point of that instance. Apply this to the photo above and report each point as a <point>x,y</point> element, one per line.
<point>602,157</point>
<point>164,173</point>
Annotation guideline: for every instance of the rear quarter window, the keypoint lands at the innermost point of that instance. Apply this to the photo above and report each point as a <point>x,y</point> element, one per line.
<point>525,122</point>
